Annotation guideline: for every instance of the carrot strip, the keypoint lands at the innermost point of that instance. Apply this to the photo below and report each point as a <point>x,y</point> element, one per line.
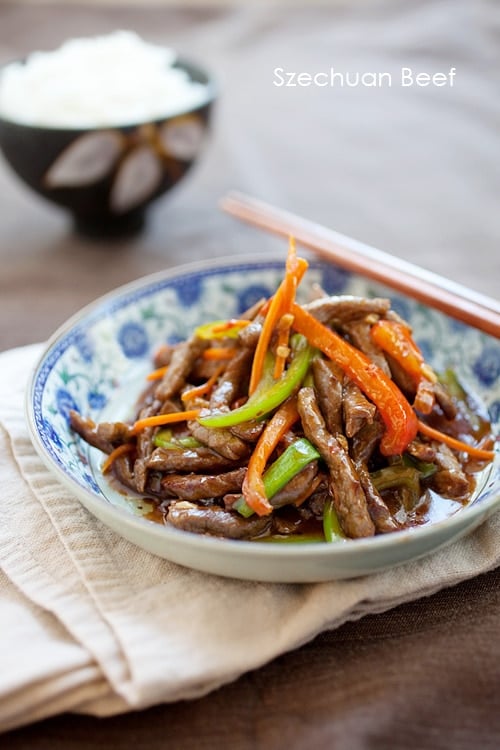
<point>219,352</point>
<point>161,419</point>
<point>253,485</point>
<point>263,342</point>
<point>281,303</point>
<point>282,348</point>
<point>116,453</point>
<point>158,373</point>
<point>201,390</point>
<point>458,445</point>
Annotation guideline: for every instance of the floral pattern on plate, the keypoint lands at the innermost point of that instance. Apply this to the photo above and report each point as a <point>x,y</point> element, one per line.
<point>103,354</point>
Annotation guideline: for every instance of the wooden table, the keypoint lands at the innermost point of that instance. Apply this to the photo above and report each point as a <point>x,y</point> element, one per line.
<point>415,172</point>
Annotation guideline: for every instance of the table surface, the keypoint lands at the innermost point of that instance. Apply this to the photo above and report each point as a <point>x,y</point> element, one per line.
<point>414,171</point>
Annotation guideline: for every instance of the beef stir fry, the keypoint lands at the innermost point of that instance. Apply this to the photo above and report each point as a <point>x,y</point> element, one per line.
<point>315,421</point>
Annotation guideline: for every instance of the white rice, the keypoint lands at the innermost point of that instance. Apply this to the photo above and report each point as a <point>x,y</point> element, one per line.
<point>105,81</point>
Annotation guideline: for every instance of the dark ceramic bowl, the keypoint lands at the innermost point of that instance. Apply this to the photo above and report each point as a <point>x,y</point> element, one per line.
<point>106,177</point>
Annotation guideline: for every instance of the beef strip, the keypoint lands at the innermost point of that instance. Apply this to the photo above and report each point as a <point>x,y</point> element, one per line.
<point>200,459</point>
<point>377,508</point>
<point>362,447</point>
<point>249,335</point>
<point>231,382</point>
<point>401,378</point>
<point>347,492</point>
<point>105,436</point>
<point>422,450</point>
<point>343,309</point>
<point>200,486</point>
<point>215,521</point>
<point>299,488</point>
<point>145,445</point>
<point>364,442</point>
<point>425,397</point>
<point>356,408</point>
<point>358,332</point>
<point>450,479</point>
<point>316,504</point>
<point>328,379</point>
<point>163,355</point>
<point>124,473</point>
<point>182,361</point>
<point>249,431</point>
<point>220,440</point>
<point>445,401</point>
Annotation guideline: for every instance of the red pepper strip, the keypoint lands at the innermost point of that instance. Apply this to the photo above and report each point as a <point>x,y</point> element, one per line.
<point>281,304</point>
<point>395,339</point>
<point>398,416</point>
<point>253,485</point>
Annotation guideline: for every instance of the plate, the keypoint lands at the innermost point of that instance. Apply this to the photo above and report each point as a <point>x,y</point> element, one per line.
<point>96,363</point>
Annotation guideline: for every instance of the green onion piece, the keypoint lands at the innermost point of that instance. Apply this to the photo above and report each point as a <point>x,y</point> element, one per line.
<point>331,525</point>
<point>270,393</point>
<point>242,507</point>
<point>296,457</point>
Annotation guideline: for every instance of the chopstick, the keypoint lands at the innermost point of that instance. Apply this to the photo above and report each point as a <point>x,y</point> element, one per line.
<point>451,298</point>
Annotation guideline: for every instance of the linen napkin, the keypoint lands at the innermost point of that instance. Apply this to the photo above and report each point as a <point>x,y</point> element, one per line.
<point>90,623</point>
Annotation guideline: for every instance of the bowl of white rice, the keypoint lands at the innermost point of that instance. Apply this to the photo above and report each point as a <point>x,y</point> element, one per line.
<point>103,126</point>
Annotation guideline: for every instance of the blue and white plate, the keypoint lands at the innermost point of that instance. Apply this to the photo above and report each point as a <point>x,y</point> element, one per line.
<point>97,362</point>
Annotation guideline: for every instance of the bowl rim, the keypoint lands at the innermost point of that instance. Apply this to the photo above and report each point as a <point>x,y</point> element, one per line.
<point>350,548</point>
<point>212,91</point>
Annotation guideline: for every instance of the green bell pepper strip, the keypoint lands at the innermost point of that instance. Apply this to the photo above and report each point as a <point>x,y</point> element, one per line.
<point>425,468</point>
<point>165,439</point>
<point>296,457</point>
<point>331,525</point>
<point>221,329</point>
<point>242,507</point>
<point>270,393</point>
<point>396,476</point>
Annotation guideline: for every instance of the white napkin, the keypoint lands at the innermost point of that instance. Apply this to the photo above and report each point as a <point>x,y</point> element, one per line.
<point>90,623</point>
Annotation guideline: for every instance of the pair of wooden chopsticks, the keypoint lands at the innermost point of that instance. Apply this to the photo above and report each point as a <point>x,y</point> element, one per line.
<point>451,298</point>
